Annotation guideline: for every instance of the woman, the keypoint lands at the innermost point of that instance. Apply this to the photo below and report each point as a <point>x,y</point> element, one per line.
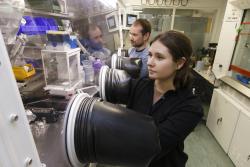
<point>167,96</point>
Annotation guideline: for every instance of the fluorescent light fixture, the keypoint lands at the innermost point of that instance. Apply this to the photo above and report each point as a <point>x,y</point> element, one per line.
<point>138,11</point>
<point>109,3</point>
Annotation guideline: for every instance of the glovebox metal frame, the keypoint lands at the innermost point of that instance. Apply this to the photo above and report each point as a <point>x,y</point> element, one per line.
<point>17,146</point>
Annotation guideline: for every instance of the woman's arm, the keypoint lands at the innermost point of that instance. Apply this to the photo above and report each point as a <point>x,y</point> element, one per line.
<point>178,125</point>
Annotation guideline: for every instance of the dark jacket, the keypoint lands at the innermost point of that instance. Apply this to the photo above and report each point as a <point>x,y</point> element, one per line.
<point>176,114</point>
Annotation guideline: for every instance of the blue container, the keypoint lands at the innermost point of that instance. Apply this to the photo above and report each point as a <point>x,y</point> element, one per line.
<point>243,79</point>
<point>37,25</point>
<point>73,43</point>
<point>52,24</point>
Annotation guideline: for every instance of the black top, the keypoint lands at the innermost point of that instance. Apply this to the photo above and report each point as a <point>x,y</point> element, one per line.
<point>176,114</point>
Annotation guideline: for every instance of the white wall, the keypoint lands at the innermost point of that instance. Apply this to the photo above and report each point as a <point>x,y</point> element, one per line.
<point>192,3</point>
<point>218,5</point>
<point>218,19</point>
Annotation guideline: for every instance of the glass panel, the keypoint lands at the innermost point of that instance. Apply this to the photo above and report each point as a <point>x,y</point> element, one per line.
<point>192,25</point>
<point>108,37</point>
<point>241,60</point>
<point>56,72</point>
<point>73,18</point>
<point>73,69</point>
<point>61,69</point>
<point>160,20</point>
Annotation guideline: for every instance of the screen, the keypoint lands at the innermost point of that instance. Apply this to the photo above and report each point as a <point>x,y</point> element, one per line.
<point>111,22</point>
<point>130,19</point>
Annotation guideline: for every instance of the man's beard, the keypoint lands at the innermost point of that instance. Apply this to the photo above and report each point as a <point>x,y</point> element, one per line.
<point>137,45</point>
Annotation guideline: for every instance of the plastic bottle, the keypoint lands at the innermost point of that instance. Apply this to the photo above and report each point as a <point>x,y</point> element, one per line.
<point>97,64</point>
<point>88,72</point>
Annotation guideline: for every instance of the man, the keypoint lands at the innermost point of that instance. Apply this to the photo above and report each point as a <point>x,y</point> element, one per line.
<point>139,35</point>
<point>94,41</point>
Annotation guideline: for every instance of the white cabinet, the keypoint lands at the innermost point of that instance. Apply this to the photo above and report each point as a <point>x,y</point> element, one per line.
<point>222,118</point>
<point>239,151</point>
<point>229,122</point>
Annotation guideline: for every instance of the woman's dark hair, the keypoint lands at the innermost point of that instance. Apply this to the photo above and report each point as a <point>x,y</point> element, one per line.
<point>179,45</point>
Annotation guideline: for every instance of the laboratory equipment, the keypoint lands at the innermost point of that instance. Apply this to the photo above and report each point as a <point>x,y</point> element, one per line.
<point>16,142</point>
<point>112,21</point>
<point>240,64</point>
<point>17,50</point>
<point>60,40</point>
<point>23,72</point>
<point>89,73</point>
<point>37,25</point>
<point>114,85</point>
<point>131,65</point>
<point>127,19</point>
<point>62,71</point>
<point>11,12</point>
<point>98,131</point>
<point>45,5</point>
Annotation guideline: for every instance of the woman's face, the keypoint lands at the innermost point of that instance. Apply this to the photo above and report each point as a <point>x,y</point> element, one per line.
<point>160,62</point>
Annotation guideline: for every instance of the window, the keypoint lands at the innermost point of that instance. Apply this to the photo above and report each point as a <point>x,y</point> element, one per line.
<point>240,65</point>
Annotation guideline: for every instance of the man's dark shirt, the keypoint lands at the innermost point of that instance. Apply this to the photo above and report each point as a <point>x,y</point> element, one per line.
<point>176,114</point>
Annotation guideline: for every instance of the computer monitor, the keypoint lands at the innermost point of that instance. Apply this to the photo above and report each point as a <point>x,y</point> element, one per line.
<point>127,19</point>
<point>112,21</point>
<point>130,19</point>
